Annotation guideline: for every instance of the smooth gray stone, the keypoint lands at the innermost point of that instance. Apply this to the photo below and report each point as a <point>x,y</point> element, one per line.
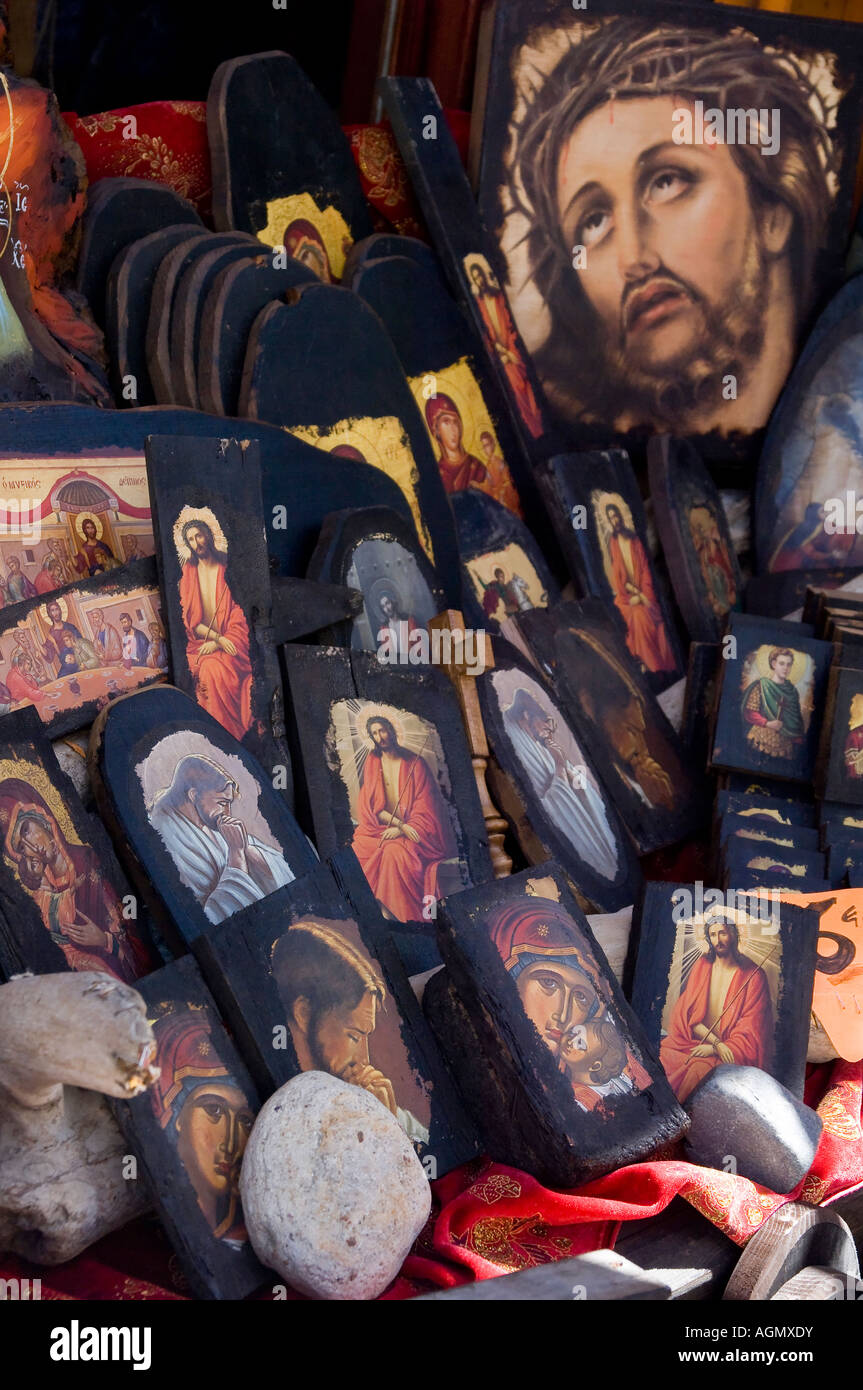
<point>745,1121</point>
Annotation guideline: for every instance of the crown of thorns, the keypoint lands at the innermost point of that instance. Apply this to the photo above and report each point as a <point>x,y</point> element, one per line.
<point>635,58</point>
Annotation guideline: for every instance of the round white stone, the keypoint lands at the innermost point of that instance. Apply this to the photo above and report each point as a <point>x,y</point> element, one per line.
<point>333,1193</point>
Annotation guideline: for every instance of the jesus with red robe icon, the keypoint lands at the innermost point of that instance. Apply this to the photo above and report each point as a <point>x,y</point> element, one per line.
<point>403,833</point>
<point>217,634</point>
<point>635,597</point>
<point>724,1013</point>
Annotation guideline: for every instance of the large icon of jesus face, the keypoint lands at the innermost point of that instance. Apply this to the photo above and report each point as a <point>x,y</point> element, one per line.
<point>627,226</point>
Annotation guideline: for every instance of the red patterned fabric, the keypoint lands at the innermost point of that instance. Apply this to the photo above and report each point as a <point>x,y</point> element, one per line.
<point>169,145</point>
<point>488,1219</point>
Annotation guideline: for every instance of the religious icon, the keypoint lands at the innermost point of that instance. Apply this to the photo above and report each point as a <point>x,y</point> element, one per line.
<point>205,1114</point>
<point>305,244</point>
<point>64,899</point>
<point>314,966</point>
<point>204,804</point>
<point>812,460</point>
<point>718,984</point>
<point>771,699</point>
<point>714,561</point>
<point>555,787</point>
<point>502,338</point>
<point>383,444</point>
<point>189,1132</point>
<point>217,634</point>
<point>559,1074</point>
<point>839,772</point>
<point>334,997</point>
<point>89,515</point>
<point>511,587</point>
<point>462,433</point>
<point>395,781</point>
<point>854,740</point>
<point>595,506</point>
<point>695,536</point>
<point>403,836</point>
<point>566,1000</point>
<point>708,1023</point>
<point>398,600</point>
<point>375,550</point>
<point>629,572</point>
<point>200,824</point>
<point>573,802</point>
<point>79,907</point>
<point>616,716</point>
<point>771,706</point>
<point>84,646</point>
<point>611,698</point>
<point>316,236</point>
<point>586,116</point>
<point>94,556</point>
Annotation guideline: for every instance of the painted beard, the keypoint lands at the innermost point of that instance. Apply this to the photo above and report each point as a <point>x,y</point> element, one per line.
<point>730,344</point>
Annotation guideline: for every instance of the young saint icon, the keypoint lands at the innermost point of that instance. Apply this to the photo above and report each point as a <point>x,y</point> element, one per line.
<point>403,833</point>
<point>217,634</point>
<point>771,708</point>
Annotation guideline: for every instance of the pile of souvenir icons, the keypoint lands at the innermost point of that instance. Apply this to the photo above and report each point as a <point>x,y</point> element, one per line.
<point>340,692</point>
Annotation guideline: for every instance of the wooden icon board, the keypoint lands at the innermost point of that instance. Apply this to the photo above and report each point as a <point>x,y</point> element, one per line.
<point>566,1091</point>
<point>120,211</point>
<point>504,571</point>
<point>346,713</point>
<point>771,699</point>
<point>236,297</point>
<point>597,513</point>
<point>211,547</point>
<point>194,1176</point>
<point>764,1021</point>
<point>166,776</point>
<point>89,643</point>
<point>346,391</point>
<point>127,310</point>
<point>280,157</point>
<point>640,758</point>
<point>65,903</point>
<point>545,783</point>
<point>695,537</point>
<point>308,980</point>
<point>375,551</point>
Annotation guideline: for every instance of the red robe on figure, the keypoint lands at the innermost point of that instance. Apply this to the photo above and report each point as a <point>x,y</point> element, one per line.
<point>502,335</point>
<point>746,1025</point>
<point>223,683</point>
<point>401,872</point>
<point>646,637</point>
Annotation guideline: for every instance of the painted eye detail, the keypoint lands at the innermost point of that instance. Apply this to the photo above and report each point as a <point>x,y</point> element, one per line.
<point>213,1112</point>
<point>593,227</point>
<point>668,185</point>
